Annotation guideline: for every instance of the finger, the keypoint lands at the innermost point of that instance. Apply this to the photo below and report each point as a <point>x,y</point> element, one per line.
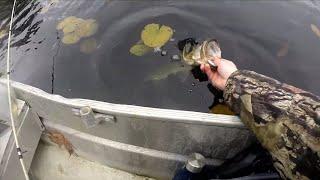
<point>207,69</point>
<point>216,61</point>
<point>211,74</point>
<point>202,67</point>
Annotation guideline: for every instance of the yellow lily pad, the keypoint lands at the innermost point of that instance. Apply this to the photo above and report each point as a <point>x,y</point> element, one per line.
<point>70,38</point>
<point>69,28</point>
<point>155,36</point>
<point>66,21</point>
<point>87,28</point>
<point>139,49</point>
<point>222,109</point>
<point>88,46</point>
<point>76,28</point>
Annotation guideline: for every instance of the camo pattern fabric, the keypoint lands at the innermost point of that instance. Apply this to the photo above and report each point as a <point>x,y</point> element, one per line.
<point>285,119</point>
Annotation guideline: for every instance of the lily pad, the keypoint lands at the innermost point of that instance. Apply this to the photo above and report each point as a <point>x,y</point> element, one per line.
<point>70,38</point>
<point>155,36</point>
<point>139,49</point>
<point>88,46</point>
<point>66,21</point>
<point>87,28</point>
<point>76,28</point>
<point>69,28</point>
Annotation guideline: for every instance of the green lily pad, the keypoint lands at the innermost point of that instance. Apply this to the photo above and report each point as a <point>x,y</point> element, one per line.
<point>139,49</point>
<point>155,36</point>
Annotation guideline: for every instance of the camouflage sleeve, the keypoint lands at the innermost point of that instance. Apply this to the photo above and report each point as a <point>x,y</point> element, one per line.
<point>285,119</point>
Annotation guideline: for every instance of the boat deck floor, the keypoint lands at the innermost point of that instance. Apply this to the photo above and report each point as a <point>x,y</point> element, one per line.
<point>51,162</point>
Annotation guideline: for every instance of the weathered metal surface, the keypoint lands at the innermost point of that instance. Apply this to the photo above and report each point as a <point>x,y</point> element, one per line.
<point>41,100</point>
<point>161,131</point>
<point>91,119</point>
<point>4,104</point>
<point>29,131</point>
<point>134,159</point>
<point>53,163</point>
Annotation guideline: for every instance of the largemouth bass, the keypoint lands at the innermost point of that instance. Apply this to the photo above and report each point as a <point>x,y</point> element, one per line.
<point>196,54</point>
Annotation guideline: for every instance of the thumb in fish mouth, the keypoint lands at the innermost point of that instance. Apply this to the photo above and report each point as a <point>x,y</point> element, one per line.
<point>213,63</point>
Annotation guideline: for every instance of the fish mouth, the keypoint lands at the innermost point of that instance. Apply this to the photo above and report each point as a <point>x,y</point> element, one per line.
<point>188,41</point>
<point>197,54</point>
<point>212,65</point>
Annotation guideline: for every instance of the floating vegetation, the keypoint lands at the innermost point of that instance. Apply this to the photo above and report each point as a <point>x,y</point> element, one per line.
<point>66,21</point>
<point>88,46</point>
<point>222,109</point>
<point>87,28</point>
<point>155,36</point>
<point>283,51</point>
<point>70,38</point>
<point>152,36</point>
<point>47,6</point>
<point>315,30</point>
<point>76,28</point>
<point>139,49</point>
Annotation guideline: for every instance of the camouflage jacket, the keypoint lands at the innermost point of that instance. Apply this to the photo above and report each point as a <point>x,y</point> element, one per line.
<point>285,119</point>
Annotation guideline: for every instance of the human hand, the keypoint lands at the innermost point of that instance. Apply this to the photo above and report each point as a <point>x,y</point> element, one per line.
<point>219,77</point>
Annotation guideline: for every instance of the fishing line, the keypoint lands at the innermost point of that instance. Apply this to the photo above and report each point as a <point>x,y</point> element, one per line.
<point>10,100</point>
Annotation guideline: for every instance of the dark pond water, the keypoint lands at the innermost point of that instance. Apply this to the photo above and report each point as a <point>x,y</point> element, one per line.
<point>270,37</point>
